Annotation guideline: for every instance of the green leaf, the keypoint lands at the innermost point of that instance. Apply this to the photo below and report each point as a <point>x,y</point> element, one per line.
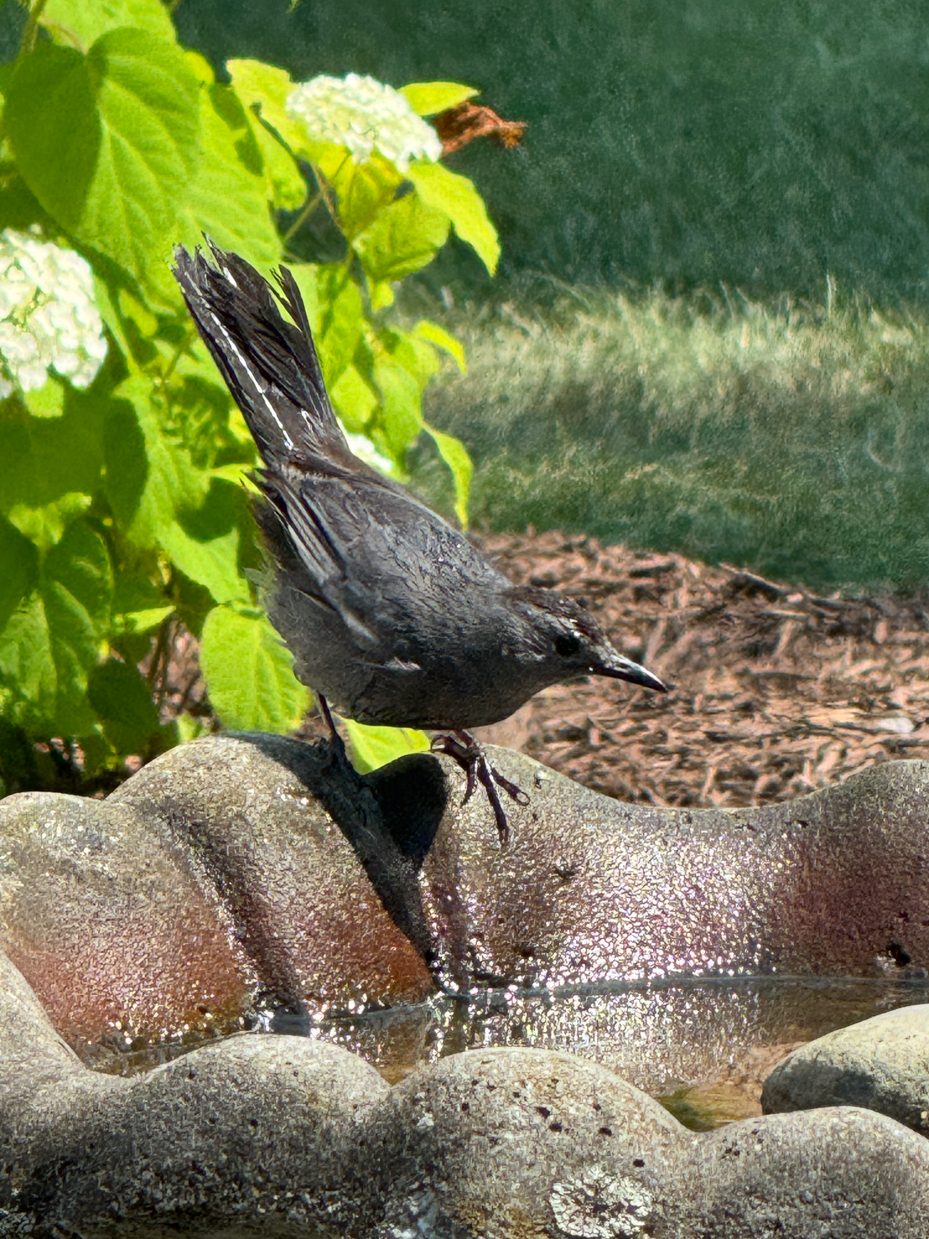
<point>45,523</point>
<point>401,401</point>
<point>404,237</point>
<point>106,298</point>
<point>138,604</point>
<point>108,142</point>
<point>132,310</point>
<point>211,562</point>
<point>161,500</point>
<point>50,644</point>
<point>249,673</point>
<point>86,20</point>
<point>52,122</point>
<point>284,182</point>
<point>149,477</point>
<point>122,702</point>
<point>225,199</point>
<point>27,668</point>
<point>189,729</point>
<point>45,459</point>
<point>340,320</point>
<point>363,190</point>
<point>267,87</point>
<point>78,568</point>
<point>456,196</point>
<point>201,67</point>
<point>455,455</point>
<point>373,747</point>
<point>46,401</point>
<point>354,400</point>
<point>19,569</point>
<point>427,330</point>
<point>381,294</point>
<point>419,357</point>
<point>428,98</point>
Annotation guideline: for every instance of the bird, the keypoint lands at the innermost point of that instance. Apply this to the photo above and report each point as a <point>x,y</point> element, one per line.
<point>392,615</point>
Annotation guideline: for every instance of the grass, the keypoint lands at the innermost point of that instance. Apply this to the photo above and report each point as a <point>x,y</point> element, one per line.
<point>787,436</point>
<point>680,141</point>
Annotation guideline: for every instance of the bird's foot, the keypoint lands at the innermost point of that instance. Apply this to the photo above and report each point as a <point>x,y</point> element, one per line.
<point>462,748</point>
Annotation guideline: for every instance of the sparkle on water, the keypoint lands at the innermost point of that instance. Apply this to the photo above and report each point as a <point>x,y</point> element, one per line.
<point>700,1045</point>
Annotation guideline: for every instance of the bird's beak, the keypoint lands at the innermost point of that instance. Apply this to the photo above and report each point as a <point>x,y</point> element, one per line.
<point>618,667</point>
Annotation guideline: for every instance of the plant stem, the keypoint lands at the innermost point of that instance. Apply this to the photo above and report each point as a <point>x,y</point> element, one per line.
<point>32,28</point>
<point>303,216</point>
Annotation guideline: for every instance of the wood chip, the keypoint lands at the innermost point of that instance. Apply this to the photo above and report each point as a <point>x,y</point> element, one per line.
<point>776,690</point>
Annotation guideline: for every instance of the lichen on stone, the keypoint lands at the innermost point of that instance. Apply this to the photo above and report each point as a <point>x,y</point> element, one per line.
<point>600,1204</point>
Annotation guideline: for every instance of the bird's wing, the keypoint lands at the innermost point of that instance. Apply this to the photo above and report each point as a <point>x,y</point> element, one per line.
<point>370,551</point>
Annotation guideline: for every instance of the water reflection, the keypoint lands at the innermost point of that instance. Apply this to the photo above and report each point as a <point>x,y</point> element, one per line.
<point>661,1037</point>
<point>702,1045</point>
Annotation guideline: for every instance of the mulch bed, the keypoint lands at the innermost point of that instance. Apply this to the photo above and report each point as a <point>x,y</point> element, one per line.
<point>776,691</point>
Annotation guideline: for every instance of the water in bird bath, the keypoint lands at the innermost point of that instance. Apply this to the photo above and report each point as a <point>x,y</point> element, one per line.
<point>703,1046</point>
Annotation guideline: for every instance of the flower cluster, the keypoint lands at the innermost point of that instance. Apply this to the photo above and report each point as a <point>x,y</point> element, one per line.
<point>48,318</point>
<point>365,116</point>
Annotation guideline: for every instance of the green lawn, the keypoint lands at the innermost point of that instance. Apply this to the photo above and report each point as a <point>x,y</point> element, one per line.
<point>793,438</point>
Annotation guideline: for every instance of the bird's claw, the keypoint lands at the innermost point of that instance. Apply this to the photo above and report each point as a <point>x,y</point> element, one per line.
<point>463,749</point>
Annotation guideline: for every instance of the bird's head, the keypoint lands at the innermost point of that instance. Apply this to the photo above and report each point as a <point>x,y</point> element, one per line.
<point>570,643</point>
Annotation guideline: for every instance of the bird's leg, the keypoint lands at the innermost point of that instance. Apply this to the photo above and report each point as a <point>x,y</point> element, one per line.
<point>462,748</point>
<point>336,743</point>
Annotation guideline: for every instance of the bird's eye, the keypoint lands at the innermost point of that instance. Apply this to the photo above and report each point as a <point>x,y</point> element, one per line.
<point>567,646</point>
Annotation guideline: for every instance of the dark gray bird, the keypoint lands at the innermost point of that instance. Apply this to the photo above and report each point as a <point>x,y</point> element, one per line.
<point>392,616</point>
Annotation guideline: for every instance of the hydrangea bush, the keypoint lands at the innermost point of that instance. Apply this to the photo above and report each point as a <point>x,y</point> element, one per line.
<point>364,116</point>
<point>48,316</point>
<point>124,514</point>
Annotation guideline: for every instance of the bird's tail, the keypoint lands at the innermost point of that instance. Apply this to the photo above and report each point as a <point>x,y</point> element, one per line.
<point>269,364</point>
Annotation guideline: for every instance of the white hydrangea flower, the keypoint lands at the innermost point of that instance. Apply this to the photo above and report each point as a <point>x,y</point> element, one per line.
<point>364,115</point>
<point>48,318</point>
<point>365,450</point>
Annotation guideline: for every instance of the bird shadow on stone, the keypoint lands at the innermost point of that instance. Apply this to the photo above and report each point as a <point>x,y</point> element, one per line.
<point>390,817</point>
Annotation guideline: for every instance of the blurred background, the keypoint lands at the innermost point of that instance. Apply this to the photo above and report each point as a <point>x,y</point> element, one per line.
<point>710,330</point>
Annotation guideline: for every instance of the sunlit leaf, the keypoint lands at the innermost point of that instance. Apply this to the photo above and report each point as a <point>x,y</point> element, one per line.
<point>362,190</point>
<point>373,747</point>
<point>428,98</point>
<point>46,401</point>
<point>401,400</point>
<point>249,673</point>
<point>340,320</point>
<point>404,237</point>
<point>108,142</point>
<point>267,87</point>
<point>87,20</point>
<point>438,336</point>
<point>353,399</point>
<point>50,644</point>
<point>284,182</point>
<point>455,455</point>
<point>456,196</point>
<point>224,199</point>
